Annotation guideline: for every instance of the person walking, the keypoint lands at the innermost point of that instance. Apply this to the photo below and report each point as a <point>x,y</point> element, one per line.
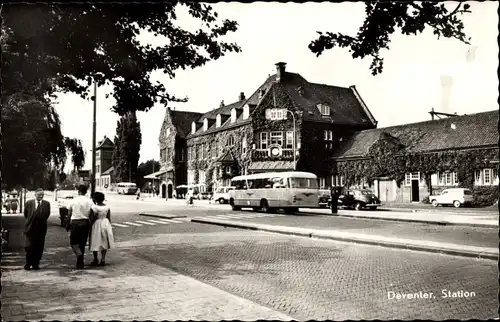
<point>78,221</point>
<point>334,194</point>
<point>101,236</point>
<point>36,213</point>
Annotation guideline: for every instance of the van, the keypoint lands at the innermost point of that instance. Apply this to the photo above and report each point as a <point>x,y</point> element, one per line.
<point>221,194</point>
<point>453,196</point>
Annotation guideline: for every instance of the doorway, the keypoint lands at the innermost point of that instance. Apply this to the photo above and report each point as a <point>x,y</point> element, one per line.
<point>415,197</point>
<point>163,191</point>
<point>170,190</point>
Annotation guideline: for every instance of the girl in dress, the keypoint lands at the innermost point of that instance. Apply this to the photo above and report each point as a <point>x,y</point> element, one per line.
<point>101,236</point>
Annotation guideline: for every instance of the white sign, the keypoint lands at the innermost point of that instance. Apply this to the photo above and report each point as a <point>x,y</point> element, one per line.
<point>276,114</point>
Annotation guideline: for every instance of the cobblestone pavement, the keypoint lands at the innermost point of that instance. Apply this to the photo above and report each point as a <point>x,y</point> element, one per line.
<point>129,288</point>
<point>460,235</point>
<point>314,279</point>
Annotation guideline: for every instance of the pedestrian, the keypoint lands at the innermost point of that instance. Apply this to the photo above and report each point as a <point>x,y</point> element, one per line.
<point>36,213</point>
<point>334,195</point>
<point>78,223</point>
<point>138,194</point>
<point>101,237</point>
<point>190,198</point>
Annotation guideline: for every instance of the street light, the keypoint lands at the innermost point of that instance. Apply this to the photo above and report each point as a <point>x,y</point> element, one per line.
<point>92,175</point>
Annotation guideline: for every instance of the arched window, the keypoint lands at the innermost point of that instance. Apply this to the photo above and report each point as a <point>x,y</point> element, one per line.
<point>230,141</point>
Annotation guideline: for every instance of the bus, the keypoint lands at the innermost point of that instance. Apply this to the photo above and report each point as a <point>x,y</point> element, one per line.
<point>126,188</point>
<point>270,191</point>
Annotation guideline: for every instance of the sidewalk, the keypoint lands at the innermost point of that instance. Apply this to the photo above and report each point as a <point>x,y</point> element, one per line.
<point>129,288</point>
<point>370,239</point>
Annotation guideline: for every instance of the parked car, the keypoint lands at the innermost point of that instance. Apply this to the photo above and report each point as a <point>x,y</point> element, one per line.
<point>324,198</point>
<point>221,194</point>
<point>203,196</point>
<point>453,196</point>
<point>359,199</point>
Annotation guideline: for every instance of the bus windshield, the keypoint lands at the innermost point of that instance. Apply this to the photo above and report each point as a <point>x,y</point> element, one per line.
<point>304,183</point>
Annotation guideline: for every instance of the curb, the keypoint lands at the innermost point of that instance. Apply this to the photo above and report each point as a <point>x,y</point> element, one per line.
<point>429,222</point>
<point>161,216</point>
<point>320,235</point>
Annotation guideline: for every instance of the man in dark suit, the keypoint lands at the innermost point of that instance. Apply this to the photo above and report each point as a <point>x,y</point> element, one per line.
<point>334,195</point>
<point>36,213</point>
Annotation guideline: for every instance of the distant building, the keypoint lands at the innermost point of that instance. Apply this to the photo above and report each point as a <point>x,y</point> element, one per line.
<point>104,161</point>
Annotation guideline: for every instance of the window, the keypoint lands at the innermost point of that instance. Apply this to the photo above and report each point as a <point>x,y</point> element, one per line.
<point>205,124</point>
<point>189,151</point>
<point>230,140</point>
<point>233,115</point>
<point>198,152</point>
<point>411,176</point>
<point>193,127</point>
<point>324,109</point>
<point>244,145</point>
<point>263,140</point>
<point>218,121</point>
<point>289,140</point>
<point>246,112</point>
<point>338,181</point>
<point>214,149</point>
<point>486,177</point>
<point>277,138</point>
<point>328,135</point>
<point>447,178</point>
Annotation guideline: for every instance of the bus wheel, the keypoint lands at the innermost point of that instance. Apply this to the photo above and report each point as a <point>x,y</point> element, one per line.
<point>264,205</point>
<point>290,210</point>
<point>255,208</point>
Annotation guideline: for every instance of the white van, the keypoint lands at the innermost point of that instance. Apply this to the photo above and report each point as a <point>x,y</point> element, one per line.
<point>221,194</point>
<point>453,196</point>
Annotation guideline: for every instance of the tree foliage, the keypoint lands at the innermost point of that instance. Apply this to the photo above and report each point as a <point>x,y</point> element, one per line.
<point>126,155</point>
<point>382,20</point>
<point>54,47</point>
<point>32,142</point>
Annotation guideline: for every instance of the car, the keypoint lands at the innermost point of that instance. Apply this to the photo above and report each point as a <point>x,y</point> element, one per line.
<point>324,198</point>
<point>221,194</point>
<point>359,199</point>
<point>453,196</point>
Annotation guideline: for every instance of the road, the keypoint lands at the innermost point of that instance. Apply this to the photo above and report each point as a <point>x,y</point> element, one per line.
<point>300,277</point>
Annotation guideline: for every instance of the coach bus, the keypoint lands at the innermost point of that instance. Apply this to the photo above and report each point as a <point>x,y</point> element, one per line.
<point>270,191</point>
<point>126,188</point>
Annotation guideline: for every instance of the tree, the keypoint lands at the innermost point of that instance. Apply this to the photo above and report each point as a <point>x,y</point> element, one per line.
<point>32,142</point>
<point>382,19</point>
<point>128,141</point>
<point>54,47</point>
<point>144,169</point>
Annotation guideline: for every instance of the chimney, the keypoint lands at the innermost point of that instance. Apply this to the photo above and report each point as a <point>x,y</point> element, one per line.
<point>241,97</point>
<point>222,103</point>
<point>280,71</point>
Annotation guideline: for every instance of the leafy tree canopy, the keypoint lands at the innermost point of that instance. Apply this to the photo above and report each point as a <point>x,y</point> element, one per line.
<point>382,19</point>
<point>62,47</point>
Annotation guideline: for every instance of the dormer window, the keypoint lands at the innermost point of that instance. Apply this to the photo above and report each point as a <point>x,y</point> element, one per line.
<point>218,121</point>
<point>324,109</point>
<point>193,127</point>
<point>233,115</point>
<point>246,112</point>
<point>205,124</point>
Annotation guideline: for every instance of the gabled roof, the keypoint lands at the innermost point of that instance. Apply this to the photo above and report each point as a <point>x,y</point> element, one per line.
<point>182,121</point>
<point>105,143</point>
<point>226,158</point>
<point>108,172</point>
<point>459,132</point>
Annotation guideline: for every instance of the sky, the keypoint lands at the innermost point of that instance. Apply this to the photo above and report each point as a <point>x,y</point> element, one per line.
<point>420,72</point>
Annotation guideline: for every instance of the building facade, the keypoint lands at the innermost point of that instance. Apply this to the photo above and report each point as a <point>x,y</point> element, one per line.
<point>104,161</point>
<point>410,162</point>
<point>286,124</point>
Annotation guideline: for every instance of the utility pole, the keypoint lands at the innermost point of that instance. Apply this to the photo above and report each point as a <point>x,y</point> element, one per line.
<point>92,175</point>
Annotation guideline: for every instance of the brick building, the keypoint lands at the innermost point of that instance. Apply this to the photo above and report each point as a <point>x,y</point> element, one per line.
<point>287,123</point>
<point>104,161</point>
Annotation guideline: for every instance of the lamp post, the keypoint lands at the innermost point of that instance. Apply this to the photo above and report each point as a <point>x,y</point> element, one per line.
<point>92,175</point>
<point>294,141</point>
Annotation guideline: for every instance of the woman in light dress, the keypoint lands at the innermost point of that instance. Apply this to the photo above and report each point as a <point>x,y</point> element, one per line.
<point>101,236</point>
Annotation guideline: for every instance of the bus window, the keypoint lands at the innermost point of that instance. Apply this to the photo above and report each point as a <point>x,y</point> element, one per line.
<point>304,183</point>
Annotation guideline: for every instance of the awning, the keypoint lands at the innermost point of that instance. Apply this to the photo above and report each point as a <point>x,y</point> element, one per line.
<point>269,166</point>
<point>155,175</point>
